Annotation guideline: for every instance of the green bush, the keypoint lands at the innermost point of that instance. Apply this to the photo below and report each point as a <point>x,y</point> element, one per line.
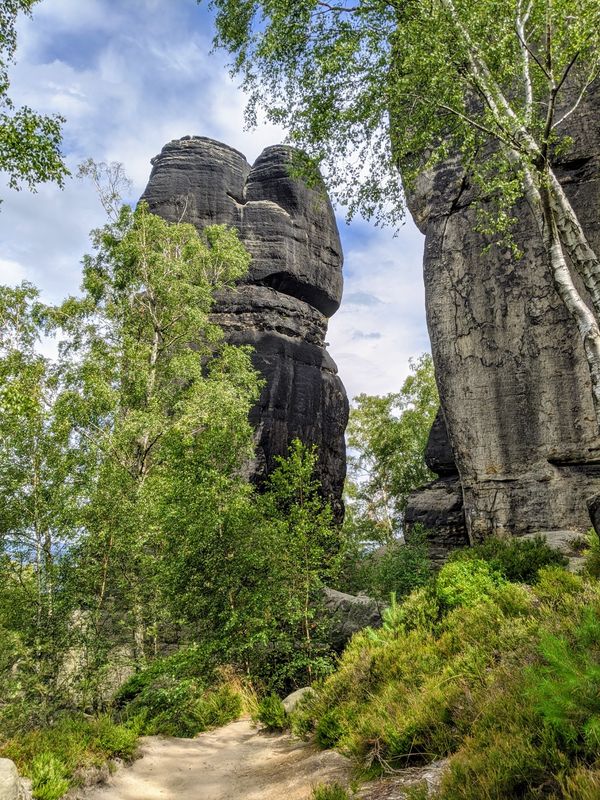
<point>464,583</point>
<point>329,729</point>
<point>515,559</point>
<point>398,567</point>
<point>565,687</point>
<point>73,741</point>
<point>502,678</point>
<point>272,714</point>
<point>182,707</point>
<point>592,554</point>
<point>48,777</point>
<point>332,791</point>
<point>192,661</point>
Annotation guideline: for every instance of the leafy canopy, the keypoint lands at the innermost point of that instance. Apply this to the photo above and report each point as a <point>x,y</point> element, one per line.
<point>29,142</point>
<point>367,85</point>
<point>387,437</point>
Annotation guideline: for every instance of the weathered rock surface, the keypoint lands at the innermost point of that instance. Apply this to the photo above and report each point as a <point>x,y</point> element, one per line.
<point>12,787</point>
<point>291,701</point>
<point>512,375</point>
<point>350,613</point>
<point>294,285</point>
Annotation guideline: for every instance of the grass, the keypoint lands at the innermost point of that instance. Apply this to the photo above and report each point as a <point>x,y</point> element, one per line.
<point>501,677</point>
<point>272,714</point>
<point>53,757</point>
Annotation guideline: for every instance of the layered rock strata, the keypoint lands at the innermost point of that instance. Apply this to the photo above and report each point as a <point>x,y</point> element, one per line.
<point>294,285</point>
<point>512,374</point>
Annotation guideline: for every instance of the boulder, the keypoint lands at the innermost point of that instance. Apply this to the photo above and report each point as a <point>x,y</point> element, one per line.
<point>291,701</point>
<point>350,613</point>
<point>10,783</point>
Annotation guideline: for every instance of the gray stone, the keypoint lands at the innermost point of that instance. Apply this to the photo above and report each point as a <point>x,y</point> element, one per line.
<point>291,701</point>
<point>294,284</point>
<point>438,453</point>
<point>569,543</point>
<point>10,784</point>
<point>349,614</point>
<point>438,508</point>
<point>511,371</point>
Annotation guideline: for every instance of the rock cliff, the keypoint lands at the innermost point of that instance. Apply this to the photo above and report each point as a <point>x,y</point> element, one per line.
<point>513,380</point>
<point>293,286</point>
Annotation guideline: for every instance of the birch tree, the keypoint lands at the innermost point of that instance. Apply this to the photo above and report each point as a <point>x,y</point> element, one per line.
<point>370,86</point>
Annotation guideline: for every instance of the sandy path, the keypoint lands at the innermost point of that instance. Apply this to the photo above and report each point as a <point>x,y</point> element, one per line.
<point>235,762</point>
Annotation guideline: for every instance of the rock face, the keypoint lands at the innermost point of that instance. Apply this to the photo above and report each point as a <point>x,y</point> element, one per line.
<point>438,507</point>
<point>350,613</point>
<point>294,285</point>
<point>512,375</point>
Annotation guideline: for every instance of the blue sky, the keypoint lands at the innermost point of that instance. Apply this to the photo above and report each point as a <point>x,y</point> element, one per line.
<point>129,76</point>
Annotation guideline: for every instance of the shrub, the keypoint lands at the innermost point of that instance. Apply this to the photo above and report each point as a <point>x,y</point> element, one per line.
<point>399,567</point>
<point>192,661</point>
<point>329,729</point>
<point>173,707</point>
<point>48,777</point>
<point>272,714</point>
<point>515,559</point>
<point>332,791</point>
<point>565,688</point>
<point>592,554</point>
<point>465,583</point>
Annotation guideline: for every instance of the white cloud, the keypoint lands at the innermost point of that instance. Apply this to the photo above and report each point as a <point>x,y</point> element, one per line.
<point>11,272</point>
<point>383,281</point>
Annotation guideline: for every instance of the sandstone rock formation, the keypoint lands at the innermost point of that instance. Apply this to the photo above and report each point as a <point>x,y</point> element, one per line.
<point>349,613</point>
<point>513,380</point>
<point>294,285</point>
<point>438,507</point>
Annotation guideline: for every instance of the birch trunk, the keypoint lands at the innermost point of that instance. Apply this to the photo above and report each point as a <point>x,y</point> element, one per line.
<point>575,242</point>
<point>583,316</point>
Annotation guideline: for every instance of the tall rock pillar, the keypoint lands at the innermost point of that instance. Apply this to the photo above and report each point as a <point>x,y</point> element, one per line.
<point>513,379</point>
<point>294,285</point>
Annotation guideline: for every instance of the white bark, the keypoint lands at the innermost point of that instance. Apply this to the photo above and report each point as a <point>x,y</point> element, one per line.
<point>575,242</point>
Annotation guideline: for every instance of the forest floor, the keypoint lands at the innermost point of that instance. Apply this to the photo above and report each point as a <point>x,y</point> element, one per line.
<point>235,762</point>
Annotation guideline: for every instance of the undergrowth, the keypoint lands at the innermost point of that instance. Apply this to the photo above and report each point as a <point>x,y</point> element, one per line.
<point>54,757</point>
<point>501,677</point>
<point>182,695</point>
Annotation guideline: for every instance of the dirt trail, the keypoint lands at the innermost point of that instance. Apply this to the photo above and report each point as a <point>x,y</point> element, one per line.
<point>235,762</point>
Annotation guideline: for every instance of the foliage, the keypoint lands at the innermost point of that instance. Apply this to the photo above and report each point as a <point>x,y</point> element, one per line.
<point>161,416</point>
<point>179,695</point>
<point>332,791</point>
<point>54,755</point>
<point>29,142</point>
<point>272,714</point>
<point>502,679</point>
<point>38,497</point>
<point>464,583</point>
<point>592,554</point>
<point>515,559</point>
<point>272,554</point>
<point>387,437</point>
<point>48,777</point>
<point>365,86</point>
<point>398,567</point>
<point>372,86</point>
